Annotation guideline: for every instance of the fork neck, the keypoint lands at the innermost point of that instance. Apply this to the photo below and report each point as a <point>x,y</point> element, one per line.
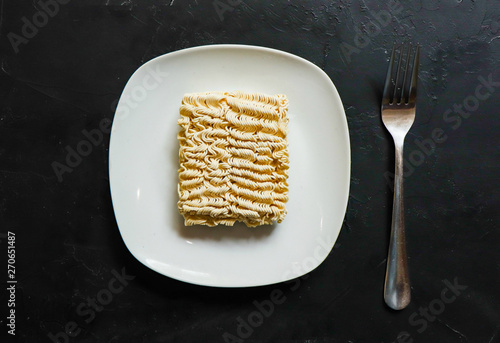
<point>398,140</point>
<point>399,163</point>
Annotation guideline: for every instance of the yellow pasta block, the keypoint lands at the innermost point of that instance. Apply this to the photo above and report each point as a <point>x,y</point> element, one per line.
<point>233,158</point>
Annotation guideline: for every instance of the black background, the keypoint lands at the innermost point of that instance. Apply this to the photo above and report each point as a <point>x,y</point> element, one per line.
<point>68,76</point>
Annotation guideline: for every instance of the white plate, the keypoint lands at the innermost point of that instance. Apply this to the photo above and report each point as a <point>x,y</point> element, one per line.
<point>143,163</point>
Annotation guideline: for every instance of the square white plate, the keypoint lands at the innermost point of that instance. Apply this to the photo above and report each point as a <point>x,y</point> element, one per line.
<point>143,164</point>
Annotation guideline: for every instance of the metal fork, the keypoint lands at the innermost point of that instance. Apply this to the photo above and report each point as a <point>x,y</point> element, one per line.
<point>398,114</point>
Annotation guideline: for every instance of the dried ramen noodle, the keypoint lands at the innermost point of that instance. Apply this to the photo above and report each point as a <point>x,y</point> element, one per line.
<point>233,158</point>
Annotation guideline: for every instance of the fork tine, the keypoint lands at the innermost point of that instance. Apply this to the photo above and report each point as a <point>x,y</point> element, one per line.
<point>397,99</point>
<point>386,97</point>
<point>405,77</point>
<point>414,77</point>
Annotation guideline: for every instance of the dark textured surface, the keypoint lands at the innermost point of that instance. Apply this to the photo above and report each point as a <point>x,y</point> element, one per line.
<point>67,78</point>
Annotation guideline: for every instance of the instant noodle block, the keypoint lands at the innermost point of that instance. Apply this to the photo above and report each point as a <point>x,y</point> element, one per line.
<point>233,158</point>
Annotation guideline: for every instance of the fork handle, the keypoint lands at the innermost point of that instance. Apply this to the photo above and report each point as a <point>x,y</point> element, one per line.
<point>397,291</point>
